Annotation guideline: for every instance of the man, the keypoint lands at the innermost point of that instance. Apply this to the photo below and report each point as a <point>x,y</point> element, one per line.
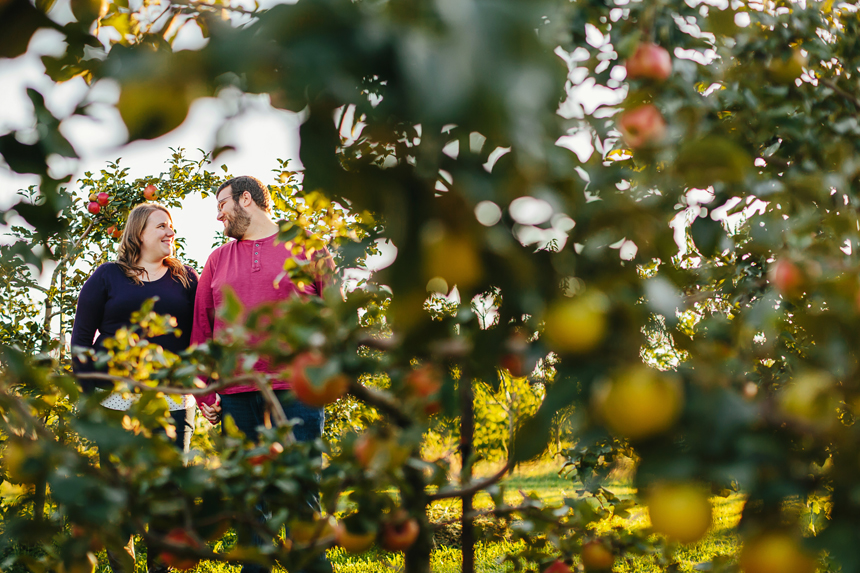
<point>252,266</point>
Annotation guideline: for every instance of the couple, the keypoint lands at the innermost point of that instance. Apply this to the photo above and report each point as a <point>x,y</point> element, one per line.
<point>145,267</point>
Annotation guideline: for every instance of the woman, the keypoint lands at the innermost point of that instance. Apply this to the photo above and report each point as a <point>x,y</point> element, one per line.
<point>145,268</point>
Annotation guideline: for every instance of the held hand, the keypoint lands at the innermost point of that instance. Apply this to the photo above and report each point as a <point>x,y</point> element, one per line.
<point>213,412</point>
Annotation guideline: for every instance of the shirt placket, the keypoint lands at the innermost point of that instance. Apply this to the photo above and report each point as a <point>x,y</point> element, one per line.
<point>255,259</point>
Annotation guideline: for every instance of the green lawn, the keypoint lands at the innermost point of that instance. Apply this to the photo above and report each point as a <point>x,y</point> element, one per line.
<point>489,555</point>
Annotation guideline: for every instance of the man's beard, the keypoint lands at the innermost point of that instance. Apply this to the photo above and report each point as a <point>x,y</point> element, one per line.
<point>237,223</point>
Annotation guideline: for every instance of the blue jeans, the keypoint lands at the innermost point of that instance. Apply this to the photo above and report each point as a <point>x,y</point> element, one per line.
<point>248,411</point>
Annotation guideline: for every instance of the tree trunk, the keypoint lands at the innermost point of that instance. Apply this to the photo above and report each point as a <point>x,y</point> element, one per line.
<point>467,432</point>
<point>417,557</point>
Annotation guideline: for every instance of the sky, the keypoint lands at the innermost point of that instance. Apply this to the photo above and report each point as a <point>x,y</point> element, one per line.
<point>260,133</point>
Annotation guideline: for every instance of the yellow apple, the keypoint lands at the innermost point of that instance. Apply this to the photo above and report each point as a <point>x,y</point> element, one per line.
<point>775,552</point>
<point>680,511</point>
<point>596,556</point>
<point>576,324</point>
<point>640,402</point>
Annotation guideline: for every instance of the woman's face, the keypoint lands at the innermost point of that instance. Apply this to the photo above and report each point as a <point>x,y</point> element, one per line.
<point>156,241</point>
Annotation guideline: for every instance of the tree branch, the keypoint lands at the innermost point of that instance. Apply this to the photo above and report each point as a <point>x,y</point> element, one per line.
<point>35,286</point>
<point>270,397</point>
<point>832,85</point>
<point>198,4</point>
<point>173,389</point>
<point>381,401</point>
<point>475,487</point>
<point>66,258</point>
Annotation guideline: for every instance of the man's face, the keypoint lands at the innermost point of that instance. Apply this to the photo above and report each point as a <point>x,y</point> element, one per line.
<point>235,218</point>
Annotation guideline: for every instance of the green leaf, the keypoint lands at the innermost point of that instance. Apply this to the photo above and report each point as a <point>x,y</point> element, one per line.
<point>231,307</point>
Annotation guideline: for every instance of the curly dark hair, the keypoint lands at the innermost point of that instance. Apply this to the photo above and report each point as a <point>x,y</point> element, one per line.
<point>259,192</point>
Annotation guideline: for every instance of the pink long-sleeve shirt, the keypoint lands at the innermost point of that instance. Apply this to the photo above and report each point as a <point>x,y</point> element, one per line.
<point>254,270</point>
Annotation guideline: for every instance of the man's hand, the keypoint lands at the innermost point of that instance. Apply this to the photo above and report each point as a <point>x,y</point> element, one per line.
<point>213,412</point>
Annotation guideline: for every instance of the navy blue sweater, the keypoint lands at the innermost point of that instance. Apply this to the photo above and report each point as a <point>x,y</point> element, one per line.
<point>108,299</point>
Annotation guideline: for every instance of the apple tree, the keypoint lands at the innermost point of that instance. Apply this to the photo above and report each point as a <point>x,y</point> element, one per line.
<point>649,207</point>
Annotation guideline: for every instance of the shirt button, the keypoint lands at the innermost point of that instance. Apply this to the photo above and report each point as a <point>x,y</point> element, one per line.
<point>256,261</point>
<point>257,253</point>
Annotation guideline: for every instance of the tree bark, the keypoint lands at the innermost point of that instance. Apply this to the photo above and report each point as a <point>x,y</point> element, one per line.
<point>467,432</point>
<point>417,558</point>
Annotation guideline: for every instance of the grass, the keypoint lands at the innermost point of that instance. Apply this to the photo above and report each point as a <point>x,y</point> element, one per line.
<point>545,482</point>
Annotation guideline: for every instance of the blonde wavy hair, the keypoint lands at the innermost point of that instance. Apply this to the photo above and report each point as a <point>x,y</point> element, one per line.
<point>128,254</point>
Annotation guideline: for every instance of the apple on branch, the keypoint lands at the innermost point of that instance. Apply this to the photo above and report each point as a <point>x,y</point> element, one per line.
<point>650,61</point>
<point>787,277</point>
<point>642,126</point>
<point>354,541</point>
<point>680,511</point>
<point>316,395</point>
<point>558,566</point>
<point>180,537</point>
<point>596,556</point>
<point>400,532</point>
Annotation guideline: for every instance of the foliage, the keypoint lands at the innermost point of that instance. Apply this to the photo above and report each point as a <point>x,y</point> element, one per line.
<point>442,125</point>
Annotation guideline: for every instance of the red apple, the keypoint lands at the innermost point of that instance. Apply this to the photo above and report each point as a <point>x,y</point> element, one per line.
<point>150,192</point>
<point>642,126</point>
<point>787,277</point>
<point>94,208</point>
<point>649,61</point>
<point>95,544</point>
<point>513,363</point>
<point>307,392</point>
<point>103,198</point>
<point>275,450</point>
<point>353,542</point>
<point>365,448</point>
<point>596,556</point>
<point>400,533</point>
<point>182,537</point>
<point>424,381</point>
<point>558,566</point>
<point>432,407</point>
<point>114,232</point>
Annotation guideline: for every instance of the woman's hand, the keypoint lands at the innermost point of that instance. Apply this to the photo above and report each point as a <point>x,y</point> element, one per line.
<point>213,412</point>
